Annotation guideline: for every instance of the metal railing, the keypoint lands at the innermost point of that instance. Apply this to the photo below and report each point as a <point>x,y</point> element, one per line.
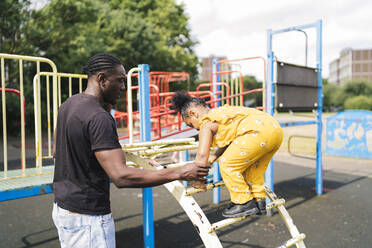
<point>38,106</point>
<point>20,59</point>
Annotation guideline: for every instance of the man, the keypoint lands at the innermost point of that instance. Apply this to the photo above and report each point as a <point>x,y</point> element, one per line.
<point>88,154</point>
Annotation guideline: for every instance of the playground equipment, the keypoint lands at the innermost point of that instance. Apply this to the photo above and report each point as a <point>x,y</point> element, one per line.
<point>22,128</point>
<point>205,229</point>
<point>20,59</point>
<point>220,92</point>
<point>312,82</point>
<point>38,106</point>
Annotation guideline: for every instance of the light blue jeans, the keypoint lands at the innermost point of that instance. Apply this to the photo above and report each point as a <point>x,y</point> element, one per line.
<point>82,230</point>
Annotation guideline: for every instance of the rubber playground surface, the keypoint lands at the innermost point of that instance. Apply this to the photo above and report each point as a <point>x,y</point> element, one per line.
<point>341,217</point>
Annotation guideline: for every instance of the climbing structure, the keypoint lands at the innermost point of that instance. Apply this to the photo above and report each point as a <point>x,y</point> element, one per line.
<point>207,231</point>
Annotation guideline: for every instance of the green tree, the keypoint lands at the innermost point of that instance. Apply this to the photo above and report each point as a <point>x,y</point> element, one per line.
<point>14,18</point>
<point>153,32</point>
<point>14,24</point>
<point>346,96</point>
<point>359,102</point>
<point>173,43</point>
<point>330,94</point>
<point>254,99</point>
<point>68,32</point>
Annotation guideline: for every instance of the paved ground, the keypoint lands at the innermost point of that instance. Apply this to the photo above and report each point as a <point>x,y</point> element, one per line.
<point>339,218</point>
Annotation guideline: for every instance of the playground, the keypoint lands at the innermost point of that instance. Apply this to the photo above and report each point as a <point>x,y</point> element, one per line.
<point>339,218</point>
<point>314,200</point>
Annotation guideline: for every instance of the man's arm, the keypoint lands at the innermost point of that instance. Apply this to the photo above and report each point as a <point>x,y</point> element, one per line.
<point>114,163</point>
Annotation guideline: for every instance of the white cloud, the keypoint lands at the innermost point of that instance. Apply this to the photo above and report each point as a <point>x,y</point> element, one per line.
<point>238,28</point>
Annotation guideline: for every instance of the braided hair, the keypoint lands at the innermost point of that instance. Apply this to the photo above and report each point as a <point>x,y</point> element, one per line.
<point>99,63</point>
<point>181,101</point>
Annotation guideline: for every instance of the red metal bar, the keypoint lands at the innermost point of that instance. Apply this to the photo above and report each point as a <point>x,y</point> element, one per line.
<point>24,116</point>
<point>264,66</point>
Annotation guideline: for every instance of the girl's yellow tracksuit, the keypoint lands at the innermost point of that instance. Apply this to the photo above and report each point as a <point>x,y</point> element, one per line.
<point>252,137</point>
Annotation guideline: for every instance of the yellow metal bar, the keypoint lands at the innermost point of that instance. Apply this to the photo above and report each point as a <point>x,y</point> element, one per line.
<point>231,83</point>
<point>293,241</point>
<point>44,60</point>
<point>38,60</point>
<point>80,85</point>
<point>69,86</point>
<point>210,186</point>
<point>237,91</point>
<point>36,120</point>
<point>21,102</point>
<point>130,102</point>
<point>275,204</point>
<point>40,136</point>
<point>59,92</point>
<point>150,152</point>
<point>224,223</point>
<point>3,102</point>
<point>48,117</point>
<point>159,143</point>
<point>288,221</point>
<point>62,74</point>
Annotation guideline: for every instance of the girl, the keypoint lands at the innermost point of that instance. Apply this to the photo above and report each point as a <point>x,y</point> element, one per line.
<point>246,139</point>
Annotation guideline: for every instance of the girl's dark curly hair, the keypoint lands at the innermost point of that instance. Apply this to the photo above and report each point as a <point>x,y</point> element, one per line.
<point>181,101</point>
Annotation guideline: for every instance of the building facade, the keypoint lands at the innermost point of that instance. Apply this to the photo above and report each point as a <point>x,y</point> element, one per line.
<point>206,67</point>
<point>352,64</point>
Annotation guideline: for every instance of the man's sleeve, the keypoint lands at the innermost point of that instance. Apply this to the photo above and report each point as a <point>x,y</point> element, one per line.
<point>102,132</point>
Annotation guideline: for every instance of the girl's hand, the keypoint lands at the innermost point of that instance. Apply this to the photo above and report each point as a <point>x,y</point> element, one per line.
<point>212,158</point>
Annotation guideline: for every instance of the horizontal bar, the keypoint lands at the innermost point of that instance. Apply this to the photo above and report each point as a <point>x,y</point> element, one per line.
<point>293,241</point>
<point>150,152</point>
<point>275,203</point>
<point>297,123</point>
<point>300,27</point>
<point>61,74</point>
<point>208,186</point>
<point>157,143</point>
<point>23,57</point>
<point>224,223</point>
<point>25,192</point>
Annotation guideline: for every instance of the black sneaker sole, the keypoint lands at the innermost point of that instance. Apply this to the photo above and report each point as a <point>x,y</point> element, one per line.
<point>262,212</point>
<point>245,213</point>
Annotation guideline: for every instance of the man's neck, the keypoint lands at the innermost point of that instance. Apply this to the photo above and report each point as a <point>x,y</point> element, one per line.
<point>93,90</point>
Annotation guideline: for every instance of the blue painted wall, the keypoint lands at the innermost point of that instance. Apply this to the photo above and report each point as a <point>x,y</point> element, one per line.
<point>349,134</point>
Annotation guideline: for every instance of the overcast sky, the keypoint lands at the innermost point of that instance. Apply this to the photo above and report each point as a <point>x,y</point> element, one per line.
<point>238,28</point>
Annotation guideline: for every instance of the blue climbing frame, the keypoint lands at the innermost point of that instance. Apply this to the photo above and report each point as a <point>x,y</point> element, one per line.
<point>270,96</point>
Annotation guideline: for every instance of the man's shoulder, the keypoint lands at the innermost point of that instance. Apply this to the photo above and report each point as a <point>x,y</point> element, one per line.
<point>84,108</point>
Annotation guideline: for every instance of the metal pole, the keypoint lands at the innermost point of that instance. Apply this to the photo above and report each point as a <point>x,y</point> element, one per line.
<point>319,165</point>
<point>3,102</point>
<point>145,132</point>
<point>186,159</point>
<point>216,171</point>
<point>270,100</point>
<point>306,43</point>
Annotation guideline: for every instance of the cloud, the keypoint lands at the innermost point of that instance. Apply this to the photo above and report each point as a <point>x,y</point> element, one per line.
<point>238,28</point>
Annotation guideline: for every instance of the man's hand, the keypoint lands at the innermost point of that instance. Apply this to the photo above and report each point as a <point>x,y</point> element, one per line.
<point>199,185</point>
<point>194,171</point>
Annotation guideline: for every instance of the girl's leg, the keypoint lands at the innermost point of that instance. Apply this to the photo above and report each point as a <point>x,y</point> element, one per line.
<point>255,174</point>
<point>241,154</point>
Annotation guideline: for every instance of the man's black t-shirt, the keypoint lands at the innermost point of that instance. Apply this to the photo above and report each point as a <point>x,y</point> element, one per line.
<point>80,183</point>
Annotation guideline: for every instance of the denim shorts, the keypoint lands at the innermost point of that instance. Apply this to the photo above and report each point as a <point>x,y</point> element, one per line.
<point>82,230</point>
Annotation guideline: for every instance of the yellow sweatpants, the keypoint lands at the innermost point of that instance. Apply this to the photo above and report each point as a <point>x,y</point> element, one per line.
<point>244,162</point>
